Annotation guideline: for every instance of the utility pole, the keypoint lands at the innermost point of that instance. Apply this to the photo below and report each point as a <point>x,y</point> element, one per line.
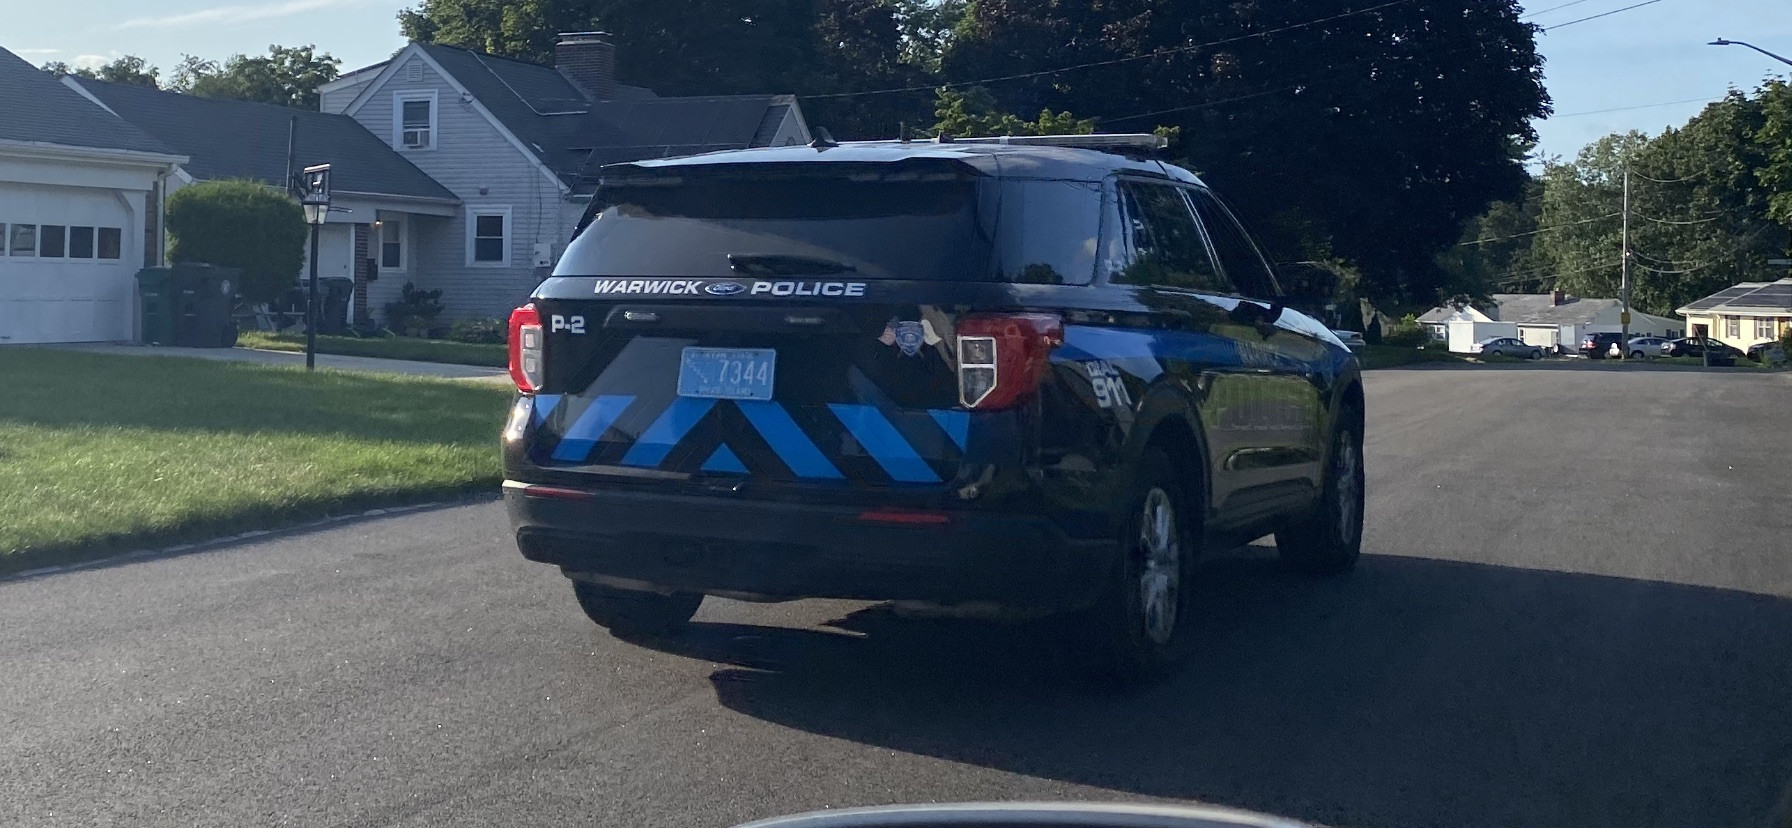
<point>1624,264</point>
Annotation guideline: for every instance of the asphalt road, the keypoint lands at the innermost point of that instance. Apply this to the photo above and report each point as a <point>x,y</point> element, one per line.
<point>1577,610</point>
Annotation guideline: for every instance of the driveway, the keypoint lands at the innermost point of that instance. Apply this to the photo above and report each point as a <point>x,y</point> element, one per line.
<point>1539,636</point>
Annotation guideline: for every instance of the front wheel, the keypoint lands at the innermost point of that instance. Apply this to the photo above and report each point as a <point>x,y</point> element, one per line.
<point>1330,540</point>
<point>623,611</point>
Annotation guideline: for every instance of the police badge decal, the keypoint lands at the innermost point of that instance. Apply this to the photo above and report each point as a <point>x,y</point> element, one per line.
<point>909,336</point>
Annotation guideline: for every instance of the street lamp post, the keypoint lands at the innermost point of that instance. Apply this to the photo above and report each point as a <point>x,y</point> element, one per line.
<point>314,196</point>
<point>1722,42</point>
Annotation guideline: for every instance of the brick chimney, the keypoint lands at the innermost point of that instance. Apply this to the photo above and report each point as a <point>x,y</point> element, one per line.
<point>1555,297</point>
<point>588,59</point>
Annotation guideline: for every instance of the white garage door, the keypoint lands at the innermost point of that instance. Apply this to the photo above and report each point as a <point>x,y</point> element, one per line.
<point>66,265</point>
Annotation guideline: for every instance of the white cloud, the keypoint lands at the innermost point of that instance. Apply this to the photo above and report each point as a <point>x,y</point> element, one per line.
<point>90,61</point>
<point>232,14</point>
<point>36,51</point>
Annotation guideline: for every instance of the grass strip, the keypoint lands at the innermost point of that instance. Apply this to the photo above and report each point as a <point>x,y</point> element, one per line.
<point>101,454</point>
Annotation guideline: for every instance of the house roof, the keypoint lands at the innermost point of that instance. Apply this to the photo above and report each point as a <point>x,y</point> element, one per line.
<point>241,139</point>
<point>38,108</point>
<point>1541,309</point>
<point>574,135</point>
<point>1756,297</point>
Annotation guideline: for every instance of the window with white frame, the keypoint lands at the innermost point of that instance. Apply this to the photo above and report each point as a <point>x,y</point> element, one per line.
<point>488,236</point>
<point>1732,327</point>
<point>392,252</point>
<point>1764,328</point>
<point>60,241</point>
<point>21,240</point>
<point>414,120</point>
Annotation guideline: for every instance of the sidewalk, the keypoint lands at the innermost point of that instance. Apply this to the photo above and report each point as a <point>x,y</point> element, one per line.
<point>345,363</point>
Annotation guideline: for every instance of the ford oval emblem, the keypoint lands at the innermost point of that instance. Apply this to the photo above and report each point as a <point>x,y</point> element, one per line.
<point>724,288</point>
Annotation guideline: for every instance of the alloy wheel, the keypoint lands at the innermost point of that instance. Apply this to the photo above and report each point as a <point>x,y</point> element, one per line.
<point>1160,579</point>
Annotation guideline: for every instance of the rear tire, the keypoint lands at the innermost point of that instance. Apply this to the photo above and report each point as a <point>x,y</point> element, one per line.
<point>624,611</point>
<point>1135,625</point>
<point>1636,354</point>
<point>1329,541</point>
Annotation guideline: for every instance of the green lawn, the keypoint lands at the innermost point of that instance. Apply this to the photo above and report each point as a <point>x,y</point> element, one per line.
<point>391,347</point>
<point>100,454</point>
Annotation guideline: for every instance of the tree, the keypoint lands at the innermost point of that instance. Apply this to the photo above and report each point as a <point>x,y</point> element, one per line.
<point>1775,138</point>
<point>128,69</point>
<point>1495,252</point>
<point>972,113</point>
<point>242,224</point>
<point>287,76</point>
<point>1700,210</point>
<point>1370,136</point>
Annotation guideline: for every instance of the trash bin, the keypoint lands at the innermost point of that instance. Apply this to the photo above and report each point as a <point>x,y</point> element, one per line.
<point>155,291</point>
<point>204,297</point>
<point>333,298</point>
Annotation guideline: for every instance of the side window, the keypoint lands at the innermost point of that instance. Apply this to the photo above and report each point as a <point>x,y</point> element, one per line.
<point>1167,248</point>
<point>1049,231</point>
<point>1243,263</point>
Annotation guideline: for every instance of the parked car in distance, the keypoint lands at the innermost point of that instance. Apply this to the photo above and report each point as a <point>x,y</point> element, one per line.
<point>1762,351</point>
<point>1695,347</point>
<point>1642,347</point>
<point>1599,345</point>
<point>1506,346</point>
<point>1351,339</point>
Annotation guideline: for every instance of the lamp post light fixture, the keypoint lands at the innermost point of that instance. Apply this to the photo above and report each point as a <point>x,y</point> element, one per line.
<point>314,196</point>
<point>1722,42</point>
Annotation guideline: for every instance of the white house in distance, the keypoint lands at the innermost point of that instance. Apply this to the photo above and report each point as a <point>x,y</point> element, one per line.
<point>74,187</point>
<point>1554,321</point>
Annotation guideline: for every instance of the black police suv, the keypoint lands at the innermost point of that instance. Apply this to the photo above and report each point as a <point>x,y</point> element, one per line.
<point>1019,374</point>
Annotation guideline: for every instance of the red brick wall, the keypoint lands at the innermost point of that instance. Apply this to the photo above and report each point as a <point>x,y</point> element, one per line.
<point>363,236</point>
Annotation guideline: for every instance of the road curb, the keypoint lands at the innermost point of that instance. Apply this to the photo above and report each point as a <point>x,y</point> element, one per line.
<point>211,544</point>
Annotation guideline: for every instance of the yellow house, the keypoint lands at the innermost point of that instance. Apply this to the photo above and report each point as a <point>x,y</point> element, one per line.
<point>1743,315</point>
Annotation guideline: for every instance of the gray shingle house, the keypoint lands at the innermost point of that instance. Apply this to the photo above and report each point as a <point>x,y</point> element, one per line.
<point>517,143</point>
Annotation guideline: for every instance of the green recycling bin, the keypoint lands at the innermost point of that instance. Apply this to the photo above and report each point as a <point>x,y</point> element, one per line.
<point>203,298</point>
<point>156,294</point>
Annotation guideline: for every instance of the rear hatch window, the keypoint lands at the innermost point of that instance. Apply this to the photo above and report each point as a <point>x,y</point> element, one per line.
<point>885,221</point>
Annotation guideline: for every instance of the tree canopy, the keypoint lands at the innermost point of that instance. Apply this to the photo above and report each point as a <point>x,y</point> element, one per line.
<point>287,76</point>
<point>128,69</point>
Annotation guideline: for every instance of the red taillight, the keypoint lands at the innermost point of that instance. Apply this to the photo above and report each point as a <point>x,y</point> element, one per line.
<point>525,348</point>
<point>1002,357</point>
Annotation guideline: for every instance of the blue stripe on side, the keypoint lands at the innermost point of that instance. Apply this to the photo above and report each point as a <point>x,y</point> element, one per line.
<point>884,443</point>
<point>724,460</point>
<point>584,433</point>
<point>956,424</point>
<point>545,405</point>
<point>672,426</point>
<point>788,440</point>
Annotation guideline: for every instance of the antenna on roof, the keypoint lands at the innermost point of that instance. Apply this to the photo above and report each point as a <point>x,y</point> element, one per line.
<point>823,139</point>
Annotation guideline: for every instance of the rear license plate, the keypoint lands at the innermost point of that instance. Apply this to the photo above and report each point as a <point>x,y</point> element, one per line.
<point>727,373</point>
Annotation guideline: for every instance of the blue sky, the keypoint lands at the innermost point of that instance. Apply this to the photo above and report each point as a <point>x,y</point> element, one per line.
<point>1635,58</point>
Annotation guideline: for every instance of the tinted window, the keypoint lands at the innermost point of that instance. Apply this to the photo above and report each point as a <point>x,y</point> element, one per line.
<point>891,222</point>
<point>80,242</point>
<point>1048,231</point>
<point>1167,248</point>
<point>111,242</point>
<point>1238,255</point>
<point>52,241</point>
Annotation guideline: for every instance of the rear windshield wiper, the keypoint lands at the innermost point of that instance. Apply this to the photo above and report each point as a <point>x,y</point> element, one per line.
<point>751,264</point>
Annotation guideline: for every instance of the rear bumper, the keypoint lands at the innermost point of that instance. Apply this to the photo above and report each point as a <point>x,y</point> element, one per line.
<point>792,550</point>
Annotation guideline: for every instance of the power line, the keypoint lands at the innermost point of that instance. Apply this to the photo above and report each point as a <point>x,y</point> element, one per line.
<point>1639,106</point>
<point>1551,8</point>
<point>1538,230</point>
<point>1679,223</point>
<point>1601,14</point>
<point>1199,105</point>
<point>1113,61</point>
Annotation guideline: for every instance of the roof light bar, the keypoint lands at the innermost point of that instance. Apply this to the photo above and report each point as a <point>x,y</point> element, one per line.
<point>1119,141</point>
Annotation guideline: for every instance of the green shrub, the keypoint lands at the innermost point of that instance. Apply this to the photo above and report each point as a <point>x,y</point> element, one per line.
<point>241,224</point>
<point>1407,334</point>
<point>415,311</point>
<point>481,331</point>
